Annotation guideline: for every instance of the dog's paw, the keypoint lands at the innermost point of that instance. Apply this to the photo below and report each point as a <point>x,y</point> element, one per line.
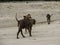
<point>17,37</point>
<point>30,35</point>
<point>23,36</point>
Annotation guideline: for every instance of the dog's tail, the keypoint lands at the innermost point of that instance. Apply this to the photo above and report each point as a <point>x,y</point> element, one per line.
<point>16,18</point>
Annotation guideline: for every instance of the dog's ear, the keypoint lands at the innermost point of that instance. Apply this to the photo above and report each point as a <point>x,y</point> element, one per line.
<point>24,16</point>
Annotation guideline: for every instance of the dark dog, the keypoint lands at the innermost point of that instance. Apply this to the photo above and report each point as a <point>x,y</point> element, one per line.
<point>25,23</point>
<point>48,16</point>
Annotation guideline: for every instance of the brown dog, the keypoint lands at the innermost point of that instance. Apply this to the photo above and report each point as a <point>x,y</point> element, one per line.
<point>25,23</point>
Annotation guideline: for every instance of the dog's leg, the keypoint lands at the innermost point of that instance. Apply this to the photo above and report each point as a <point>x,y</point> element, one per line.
<point>25,31</point>
<point>18,33</point>
<point>22,34</point>
<point>30,31</point>
<point>48,21</point>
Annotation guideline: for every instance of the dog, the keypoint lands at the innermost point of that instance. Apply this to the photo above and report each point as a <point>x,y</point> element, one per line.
<point>25,23</point>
